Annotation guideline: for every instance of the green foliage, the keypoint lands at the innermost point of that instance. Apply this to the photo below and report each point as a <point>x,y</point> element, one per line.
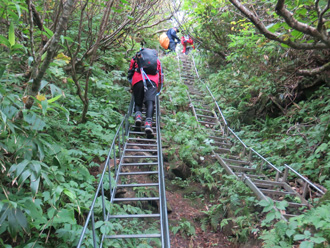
<point>273,213</point>
<point>184,228</point>
<point>45,152</point>
<point>46,188</point>
<point>233,208</point>
<point>308,230</point>
<point>189,141</point>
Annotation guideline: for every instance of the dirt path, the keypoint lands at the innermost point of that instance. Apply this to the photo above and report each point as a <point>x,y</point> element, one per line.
<point>190,209</point>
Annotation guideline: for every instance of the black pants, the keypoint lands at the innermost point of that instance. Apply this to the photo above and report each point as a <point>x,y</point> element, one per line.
<point>147,97</point>
<point>172,46</point>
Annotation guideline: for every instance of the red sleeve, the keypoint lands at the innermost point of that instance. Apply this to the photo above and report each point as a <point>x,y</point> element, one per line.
<point>159,68</point>
<point>131,65</point>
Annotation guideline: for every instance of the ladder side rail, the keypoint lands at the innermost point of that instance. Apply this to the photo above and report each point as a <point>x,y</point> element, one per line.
<point>307,184</point>
<point>304,179</point>
<point>265,160</point>
<point>216,103</point>
<point>90,217</point>
<point>259,194</point>
<point>192,106</point>
<point>278,172</point>
<point>162,191</point>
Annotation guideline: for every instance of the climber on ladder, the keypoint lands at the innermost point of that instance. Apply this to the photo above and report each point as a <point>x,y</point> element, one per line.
<point>145,75</point>
<point>171,34</point>
<point>186,40</point>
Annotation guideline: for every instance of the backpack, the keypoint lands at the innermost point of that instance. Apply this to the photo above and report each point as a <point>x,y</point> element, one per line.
<point>147,59</point>
<point>164,40</point>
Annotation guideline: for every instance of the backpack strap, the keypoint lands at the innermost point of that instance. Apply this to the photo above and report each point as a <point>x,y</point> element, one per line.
<point>144,77</point>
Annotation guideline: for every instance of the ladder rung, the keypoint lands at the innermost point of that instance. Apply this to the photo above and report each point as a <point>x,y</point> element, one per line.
<point>219,138</point>
<point>139,144</point>
<point>227,156</point>
<point>137,164</point>
<point>211,117</point>
<point>234,161</point>
<point>255,176</point>
<point>267,182</point>
<point>204,110</point>
<point>136,199</point>
<point>137,185</point>
<point>142,127</point>
<point>122,216</point>
<point>294,204</point>
<point>222,150</point>
<point>141,156</point>
<point>287,216</point>
<point>137,173</point>
<point>139,150</point>
<point>240,168</point>
<point>221,144</point>
<point>206,122</point>
<point>133,236</point>
<point>138,139</point>
<point>137,132</point>
<point>276,192</point>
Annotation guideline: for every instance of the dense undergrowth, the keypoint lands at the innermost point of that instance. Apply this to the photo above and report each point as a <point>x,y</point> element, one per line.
<point>297,135</point>
<point>47,151</point>
<point>299,138</point>
<point>45,156</point>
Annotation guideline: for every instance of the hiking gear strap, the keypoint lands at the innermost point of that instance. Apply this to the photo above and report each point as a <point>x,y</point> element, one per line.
<point>144,77</point>
<point>161,80</point>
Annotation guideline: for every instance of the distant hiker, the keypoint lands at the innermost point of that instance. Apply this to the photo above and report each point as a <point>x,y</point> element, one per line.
<point>145,75</point>
<point>171,34</point>
<point>186,40</point>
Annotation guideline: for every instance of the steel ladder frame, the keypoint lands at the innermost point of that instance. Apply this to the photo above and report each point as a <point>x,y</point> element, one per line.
<point>250,152</point>
<point>119,144</point>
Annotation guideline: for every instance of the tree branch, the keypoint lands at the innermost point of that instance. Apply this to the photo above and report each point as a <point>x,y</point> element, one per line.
<point>261,27</point>
<point>320,22</point>
<point>33,90</point>
<point>311,72</point>
<point>302,27</point>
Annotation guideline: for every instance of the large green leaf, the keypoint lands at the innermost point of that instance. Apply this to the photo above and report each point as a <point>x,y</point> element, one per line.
<point>16,219</point>
<point>36,123</point>
<point>34,184</point>
<point>20,167</point>
<point>4,41</point>
<point>11,34</point>
<point>65,216</point>
<point>306,244</point>
<point>54,99</point>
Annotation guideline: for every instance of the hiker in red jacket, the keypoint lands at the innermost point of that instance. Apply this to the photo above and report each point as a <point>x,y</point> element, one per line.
<point>145,88</point>
<point>186,40</point>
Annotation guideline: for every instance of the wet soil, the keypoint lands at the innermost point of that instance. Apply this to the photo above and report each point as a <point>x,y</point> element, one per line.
<point>185,206</point>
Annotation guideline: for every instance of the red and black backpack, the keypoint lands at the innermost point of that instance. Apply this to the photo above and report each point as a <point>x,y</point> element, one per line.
<point>146,59</point>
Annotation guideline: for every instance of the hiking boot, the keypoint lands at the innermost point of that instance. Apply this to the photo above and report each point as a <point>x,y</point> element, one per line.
<point>138,122</point>
<point>148,129</point>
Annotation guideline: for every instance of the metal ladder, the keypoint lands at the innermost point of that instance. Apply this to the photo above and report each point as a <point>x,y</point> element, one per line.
<point>241,161</point>
<point>134,166</point>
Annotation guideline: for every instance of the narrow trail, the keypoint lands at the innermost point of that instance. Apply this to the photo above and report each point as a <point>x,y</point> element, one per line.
<point>184,209</point>
<point>266,181</point>
<point>132,183</point>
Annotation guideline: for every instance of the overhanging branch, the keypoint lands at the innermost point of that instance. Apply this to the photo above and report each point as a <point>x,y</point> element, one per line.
<point>325,44</point>
<point>311,72</point>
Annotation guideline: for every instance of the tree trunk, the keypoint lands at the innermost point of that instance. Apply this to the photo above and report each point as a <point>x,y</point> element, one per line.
<point>51,50</point>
